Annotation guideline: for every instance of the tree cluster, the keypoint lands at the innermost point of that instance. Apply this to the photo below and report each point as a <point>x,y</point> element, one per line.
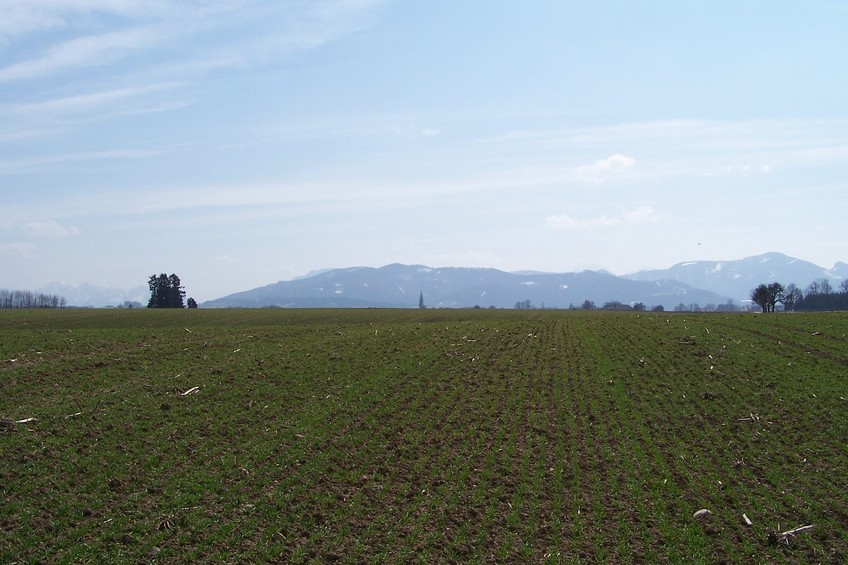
<point>767,296</point>
<point>28,299</point>
<point>819,296</point>
<point>166,292</point>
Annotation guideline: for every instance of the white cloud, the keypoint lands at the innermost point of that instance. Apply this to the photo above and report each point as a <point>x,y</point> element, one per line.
<point>48,228</point>
<point>742,170</point>
<point>640,215</point>
<point>17,248</point>
<point>603,169</point>
<point>20,18</point>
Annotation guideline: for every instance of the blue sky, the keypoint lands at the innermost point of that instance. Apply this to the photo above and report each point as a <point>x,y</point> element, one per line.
<point>241,142</point>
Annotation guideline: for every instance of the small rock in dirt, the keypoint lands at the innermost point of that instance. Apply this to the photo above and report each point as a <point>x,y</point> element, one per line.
<point>702,514</point>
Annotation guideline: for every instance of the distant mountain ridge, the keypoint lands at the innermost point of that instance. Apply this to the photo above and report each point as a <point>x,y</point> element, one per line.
<point>737,278</point>
<point>400,286</point>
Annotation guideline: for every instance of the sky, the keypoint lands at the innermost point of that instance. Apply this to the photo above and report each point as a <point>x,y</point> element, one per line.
<point>237,143</point>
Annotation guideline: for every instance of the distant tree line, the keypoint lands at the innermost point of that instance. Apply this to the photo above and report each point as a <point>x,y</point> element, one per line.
<point>817,297</point>
<point>28,299</point>
<point>589,305</point>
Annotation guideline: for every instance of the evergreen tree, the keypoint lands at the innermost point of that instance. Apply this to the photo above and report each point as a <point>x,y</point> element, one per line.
<point>176,293</point>
<point>165,292</point>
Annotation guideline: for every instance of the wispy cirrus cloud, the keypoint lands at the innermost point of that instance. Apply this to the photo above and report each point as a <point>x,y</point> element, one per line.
<point>21,165</point>
<point>89,100</point>
<point>21,19</point>
<point>640,215</point>
<point>165,35</point>
<point>85,51</point>
<point>48,228</point>
<point>75,57</point>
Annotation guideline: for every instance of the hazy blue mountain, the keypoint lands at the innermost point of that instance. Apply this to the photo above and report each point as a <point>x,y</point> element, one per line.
<point>840,270</point>
<point>738,278</point>
<point>87,294</point>
<point>399,286</point>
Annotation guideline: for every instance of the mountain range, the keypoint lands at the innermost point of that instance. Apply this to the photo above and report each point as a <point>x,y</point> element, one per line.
<point>91,295</point>
<point>402,286</point>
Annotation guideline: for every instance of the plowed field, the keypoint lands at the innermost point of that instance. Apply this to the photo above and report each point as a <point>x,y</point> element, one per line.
<point>386,436</point>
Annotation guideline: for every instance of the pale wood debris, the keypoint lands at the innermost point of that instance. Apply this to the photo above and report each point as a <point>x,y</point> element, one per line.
<point>10,425</point>
<point>785,537</point>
